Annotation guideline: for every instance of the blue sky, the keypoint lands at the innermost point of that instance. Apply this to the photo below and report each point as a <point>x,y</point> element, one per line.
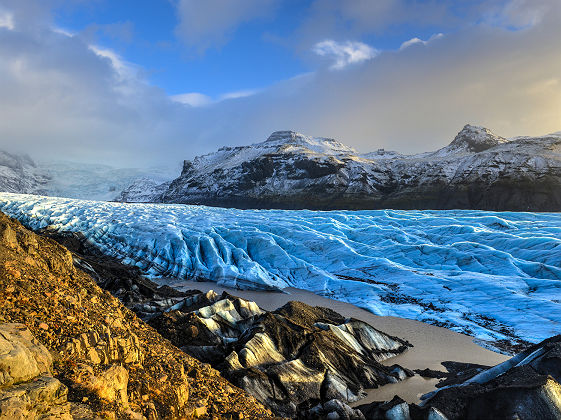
<point>254,55</point>
<point>152,82</point>
<point>248,61</point>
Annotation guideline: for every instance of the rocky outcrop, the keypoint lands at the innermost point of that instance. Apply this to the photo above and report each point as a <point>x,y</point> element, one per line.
<point>291,359</point>
<point>27,388</point>
<point>528,386</point>
<point>477,170</point>
<point>220,321</point>
<point>126,282</point>
<point>333,410</point>
<point>106,360</point>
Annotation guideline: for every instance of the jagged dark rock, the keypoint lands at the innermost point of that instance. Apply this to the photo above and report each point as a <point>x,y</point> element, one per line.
<point>429,373</point>
<point>525,387</point>
<point>291,359</point>
<point>477,170</point>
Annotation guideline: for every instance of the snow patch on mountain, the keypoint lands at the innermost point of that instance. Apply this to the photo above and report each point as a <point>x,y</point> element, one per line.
<point>20,174</point>
<point>143,190</point>
<point>286,142</point>
<point>472,139</point>
<point>493,275</point>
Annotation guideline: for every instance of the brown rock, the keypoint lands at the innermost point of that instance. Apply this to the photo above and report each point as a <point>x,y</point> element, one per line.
<point>22,357</point>
<point>27,389</point>
<point>110,385</point>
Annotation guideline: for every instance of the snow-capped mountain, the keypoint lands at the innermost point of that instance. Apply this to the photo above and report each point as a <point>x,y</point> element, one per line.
<point>20,174</point>
<point>95,181</point>
<point>477,170</point>
<point>143,190</point>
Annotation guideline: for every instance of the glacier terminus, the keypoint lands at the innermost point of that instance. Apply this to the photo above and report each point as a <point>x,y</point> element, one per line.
<point>493,275</point>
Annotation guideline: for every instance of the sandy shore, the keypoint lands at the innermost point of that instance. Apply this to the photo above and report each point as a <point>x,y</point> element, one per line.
<point>432,345</point>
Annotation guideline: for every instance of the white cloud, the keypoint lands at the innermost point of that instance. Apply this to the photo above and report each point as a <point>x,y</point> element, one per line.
<point>193,99</point>
<point>62,31</point>
<point>6,20</point>
<point>344,53</point>
<point>62,99</point>
<point>208,23</point>
<point>124,69</point>
<point>196,99</point>
<point>238,94</point>
<point>519,13</point>
<point>417,41</point>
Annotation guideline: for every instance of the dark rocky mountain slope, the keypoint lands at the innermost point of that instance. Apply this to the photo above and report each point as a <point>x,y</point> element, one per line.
<point>477,170</point>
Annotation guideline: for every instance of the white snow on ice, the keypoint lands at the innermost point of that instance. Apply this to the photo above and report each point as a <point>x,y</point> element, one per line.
<point>492,275</point>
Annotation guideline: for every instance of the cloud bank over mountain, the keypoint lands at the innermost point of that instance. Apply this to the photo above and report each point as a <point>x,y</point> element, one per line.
<point>64,96</point>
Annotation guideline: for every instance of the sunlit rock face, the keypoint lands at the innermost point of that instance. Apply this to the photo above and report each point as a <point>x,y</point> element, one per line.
<point>69,349</point>
<point>28,389</point>
<point>291,359</point>
<point>477,170</point>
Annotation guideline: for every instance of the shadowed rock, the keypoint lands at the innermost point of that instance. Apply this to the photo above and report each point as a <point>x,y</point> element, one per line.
<point>525,387</point>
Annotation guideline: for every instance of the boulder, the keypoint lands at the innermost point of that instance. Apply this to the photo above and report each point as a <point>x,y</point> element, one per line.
<point>22,357</point>
<point>27,388</point>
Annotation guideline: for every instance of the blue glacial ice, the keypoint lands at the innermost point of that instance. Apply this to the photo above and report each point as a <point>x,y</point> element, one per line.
<point>491,275</point>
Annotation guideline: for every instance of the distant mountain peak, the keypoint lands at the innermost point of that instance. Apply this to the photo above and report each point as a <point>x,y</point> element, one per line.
<point>315,144</point>
<point>285,136</point>
<point>475,138</point>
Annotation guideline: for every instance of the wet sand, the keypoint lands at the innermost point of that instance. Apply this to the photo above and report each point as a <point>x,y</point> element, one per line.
<point>431,345</point>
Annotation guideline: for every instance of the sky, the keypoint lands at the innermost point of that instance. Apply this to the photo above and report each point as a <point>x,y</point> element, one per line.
<point>153,82</point>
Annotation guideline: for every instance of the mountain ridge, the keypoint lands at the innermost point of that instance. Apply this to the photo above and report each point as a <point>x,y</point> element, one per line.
<point>477,170</point>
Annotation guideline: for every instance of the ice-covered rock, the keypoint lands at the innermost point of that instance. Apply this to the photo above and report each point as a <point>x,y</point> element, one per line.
<point>524,387</point>
<point>477,170</point>
<point>290,358</point>
<point>491,275</point>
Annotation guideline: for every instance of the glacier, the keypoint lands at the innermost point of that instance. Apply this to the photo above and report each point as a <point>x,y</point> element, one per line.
<point>492,275</point>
